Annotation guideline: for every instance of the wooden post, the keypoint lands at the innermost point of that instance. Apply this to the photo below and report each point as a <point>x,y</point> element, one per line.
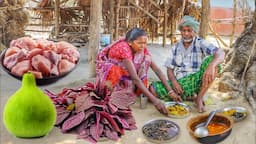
<point>112,17</point>
<point>165,22</point>
<point>117,19</point>
<point>57,17</point>
<point>94,31</point>
<point>204,18</point>
<point>234,22</point>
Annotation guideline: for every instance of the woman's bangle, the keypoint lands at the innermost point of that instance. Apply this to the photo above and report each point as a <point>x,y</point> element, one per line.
<point>170,92</point>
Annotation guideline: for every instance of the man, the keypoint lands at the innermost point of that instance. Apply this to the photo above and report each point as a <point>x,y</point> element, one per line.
<point>191,66</point>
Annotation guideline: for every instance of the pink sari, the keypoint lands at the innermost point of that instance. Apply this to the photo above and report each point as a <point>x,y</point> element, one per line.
<point>112,73</point>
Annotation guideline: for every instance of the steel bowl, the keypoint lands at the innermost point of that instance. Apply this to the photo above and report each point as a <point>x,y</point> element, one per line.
<point>185,106</point>
<point>211,138</point>
<point>42,81</point>
<point>237,113</point>
<point>160,131</point>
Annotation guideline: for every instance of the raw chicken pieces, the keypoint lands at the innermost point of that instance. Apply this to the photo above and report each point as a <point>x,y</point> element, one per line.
<point>41,57</point>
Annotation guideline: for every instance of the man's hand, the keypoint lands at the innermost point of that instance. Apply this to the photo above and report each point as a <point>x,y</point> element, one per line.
<point>175,97</point>
<point>177,88</point>
<point>209,75</point>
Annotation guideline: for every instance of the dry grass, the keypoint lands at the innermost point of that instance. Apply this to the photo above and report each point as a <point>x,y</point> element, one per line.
<point>13,20</point>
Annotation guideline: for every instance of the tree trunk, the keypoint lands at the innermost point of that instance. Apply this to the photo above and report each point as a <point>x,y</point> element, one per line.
<point>204,18</point>
<point>240,71</point>
<point>94,30</point>
<point>254,18</point>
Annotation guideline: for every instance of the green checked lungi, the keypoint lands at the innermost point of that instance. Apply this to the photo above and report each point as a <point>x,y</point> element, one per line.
<point>190,84</point>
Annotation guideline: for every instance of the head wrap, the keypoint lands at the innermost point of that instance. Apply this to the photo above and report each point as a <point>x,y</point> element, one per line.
<point>189,21</point>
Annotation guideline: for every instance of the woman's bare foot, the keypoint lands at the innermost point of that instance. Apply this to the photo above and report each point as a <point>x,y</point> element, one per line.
<point>200,105</point>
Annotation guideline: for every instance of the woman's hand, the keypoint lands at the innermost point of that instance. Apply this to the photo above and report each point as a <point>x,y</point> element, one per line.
<point>160,106</point>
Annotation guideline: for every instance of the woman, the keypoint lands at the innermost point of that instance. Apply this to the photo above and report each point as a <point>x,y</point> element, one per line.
<point>125,64</point>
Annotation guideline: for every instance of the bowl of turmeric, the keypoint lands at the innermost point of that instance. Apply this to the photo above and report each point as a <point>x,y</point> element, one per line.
<point>219,128</point>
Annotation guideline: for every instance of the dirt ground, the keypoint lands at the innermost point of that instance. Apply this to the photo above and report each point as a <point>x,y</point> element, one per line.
<point>242,132</point>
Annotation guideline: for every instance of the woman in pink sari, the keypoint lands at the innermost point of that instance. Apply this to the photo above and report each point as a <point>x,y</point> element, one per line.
<point>124,65</point>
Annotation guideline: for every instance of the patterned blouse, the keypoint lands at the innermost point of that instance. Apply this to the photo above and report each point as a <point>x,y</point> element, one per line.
<point>111,71</point>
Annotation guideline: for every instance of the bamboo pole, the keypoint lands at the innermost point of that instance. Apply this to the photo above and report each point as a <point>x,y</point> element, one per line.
<point>155,4</point>
<point>117,19</point>
<point>182,9</point>
<point>111,22</point>
<point>77,25</point>
<point>128,15</point>
<point>43,31</point>
<point>94,30</point>
<point>57,17</point>
<point>165,22</point>
<point>234,22</point>
<point>216,35</point>
<point>146,12</point>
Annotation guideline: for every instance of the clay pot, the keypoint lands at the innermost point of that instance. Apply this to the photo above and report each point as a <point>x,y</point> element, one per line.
<point>211,138</point>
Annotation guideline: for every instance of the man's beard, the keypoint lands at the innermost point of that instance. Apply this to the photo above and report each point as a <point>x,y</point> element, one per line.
<point>187,40</point>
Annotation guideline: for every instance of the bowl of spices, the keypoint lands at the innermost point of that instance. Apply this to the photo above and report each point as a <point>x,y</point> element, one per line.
<point>237,113</point>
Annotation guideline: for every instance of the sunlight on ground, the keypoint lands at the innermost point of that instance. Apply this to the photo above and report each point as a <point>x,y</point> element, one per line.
<point>66,142</point>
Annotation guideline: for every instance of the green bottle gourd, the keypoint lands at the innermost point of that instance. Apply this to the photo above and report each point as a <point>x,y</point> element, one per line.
<point>29,113</point>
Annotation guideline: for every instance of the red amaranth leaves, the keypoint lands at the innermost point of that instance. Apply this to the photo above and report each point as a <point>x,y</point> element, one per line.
<point>122,99</point>
<point>97,113</point>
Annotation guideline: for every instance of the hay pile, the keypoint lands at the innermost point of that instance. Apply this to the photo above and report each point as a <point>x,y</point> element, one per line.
<point>13,20</point>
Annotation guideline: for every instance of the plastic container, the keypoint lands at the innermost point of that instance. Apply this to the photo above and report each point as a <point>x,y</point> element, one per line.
<point>143,101</point>
<point>105,39</point>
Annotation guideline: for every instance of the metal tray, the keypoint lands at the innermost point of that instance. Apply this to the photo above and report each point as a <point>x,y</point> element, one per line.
<point>237,113</point>
<point>185,106</point>
<point>43,81</point>
<point>160,131</point>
